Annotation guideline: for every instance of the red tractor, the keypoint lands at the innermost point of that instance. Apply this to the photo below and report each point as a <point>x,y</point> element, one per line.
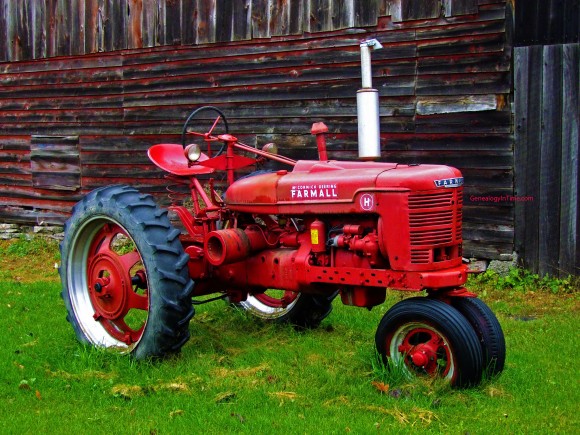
<point>282,244</point>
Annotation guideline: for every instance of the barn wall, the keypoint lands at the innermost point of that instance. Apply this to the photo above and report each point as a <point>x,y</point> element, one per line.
<point>547,138</point>
<point>35,29</point>
<point>540,22</point>
<point>547,110</point>
<point>443,78</point>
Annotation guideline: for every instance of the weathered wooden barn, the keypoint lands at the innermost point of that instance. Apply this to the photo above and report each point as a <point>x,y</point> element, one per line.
<point>87,87</point>
<point>547,114</point>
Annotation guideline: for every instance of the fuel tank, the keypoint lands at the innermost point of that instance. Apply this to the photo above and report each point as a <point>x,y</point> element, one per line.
<point>331,187</point>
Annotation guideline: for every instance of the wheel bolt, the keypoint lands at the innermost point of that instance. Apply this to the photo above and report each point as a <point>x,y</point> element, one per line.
<point>98,287</point>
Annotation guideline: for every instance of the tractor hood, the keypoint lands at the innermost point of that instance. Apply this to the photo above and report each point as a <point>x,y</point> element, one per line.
<point>314,182</point>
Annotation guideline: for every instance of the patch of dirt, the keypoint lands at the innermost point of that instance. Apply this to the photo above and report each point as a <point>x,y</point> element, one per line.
<point>529,305</point>
<point>36,266</point>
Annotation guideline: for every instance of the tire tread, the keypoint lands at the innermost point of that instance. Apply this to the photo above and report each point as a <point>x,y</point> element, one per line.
<point>449,322</point>
<point>170,287</point>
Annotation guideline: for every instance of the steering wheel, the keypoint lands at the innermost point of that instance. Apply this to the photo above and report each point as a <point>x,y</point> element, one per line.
<point>209,136</point>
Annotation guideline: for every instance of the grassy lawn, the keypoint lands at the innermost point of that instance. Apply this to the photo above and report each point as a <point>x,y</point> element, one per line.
<point>237,374</point>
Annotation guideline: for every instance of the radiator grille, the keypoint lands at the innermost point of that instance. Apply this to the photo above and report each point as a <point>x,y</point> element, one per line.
<point>434,221</point>
<point>459,211</point>
<point>420,256</point>
<point>431,200</point>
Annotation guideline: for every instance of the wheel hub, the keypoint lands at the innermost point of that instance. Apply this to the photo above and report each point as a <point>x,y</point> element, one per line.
<point>425,351</point>
<point>421,355</point>
<point>109,284</point>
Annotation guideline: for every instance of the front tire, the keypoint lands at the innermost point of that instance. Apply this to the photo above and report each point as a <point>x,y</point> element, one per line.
<point>124,274</point>
<point>427,337</point>
<point>488,330</point>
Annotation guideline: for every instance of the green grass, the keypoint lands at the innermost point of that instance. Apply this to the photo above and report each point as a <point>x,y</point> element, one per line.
<point>239,375</point>
<point>26,246</point>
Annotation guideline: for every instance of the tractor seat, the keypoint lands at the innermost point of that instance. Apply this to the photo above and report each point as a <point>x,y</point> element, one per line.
<point>170,158</point>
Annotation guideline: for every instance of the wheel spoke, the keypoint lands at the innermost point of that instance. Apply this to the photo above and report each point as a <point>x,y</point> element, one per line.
<point>405,348</point>
<point>107,234</point>
<point>128,335</point>
<point>129,260</point>
<point>435,342</point>
<point>138,302</point>
<point>195,133</point>
<point>288,298</point>
<point>214,125</point>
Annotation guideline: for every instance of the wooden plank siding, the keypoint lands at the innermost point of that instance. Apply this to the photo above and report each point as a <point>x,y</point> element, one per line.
<point>547,111</point>
<point>569,255</point>
<point>33,29</point>
<point>547,22</point>
<point>55,162</point>
<point>274,67</point>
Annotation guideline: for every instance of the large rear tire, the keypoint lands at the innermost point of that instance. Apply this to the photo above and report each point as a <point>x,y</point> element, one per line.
<point>124,274</point>
<point>427,337</point>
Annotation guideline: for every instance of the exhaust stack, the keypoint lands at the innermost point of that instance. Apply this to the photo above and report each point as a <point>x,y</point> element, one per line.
<point>367,102</point>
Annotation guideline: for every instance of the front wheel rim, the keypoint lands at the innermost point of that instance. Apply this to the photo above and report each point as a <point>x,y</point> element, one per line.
<point>422,350</point>
<point>107,285</point>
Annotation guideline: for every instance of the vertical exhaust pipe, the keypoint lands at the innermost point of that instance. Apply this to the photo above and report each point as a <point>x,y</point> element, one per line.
<point>367,103</point>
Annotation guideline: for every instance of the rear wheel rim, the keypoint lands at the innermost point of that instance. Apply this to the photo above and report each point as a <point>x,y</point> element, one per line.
<point>108,284</point>
<point>271,304</point>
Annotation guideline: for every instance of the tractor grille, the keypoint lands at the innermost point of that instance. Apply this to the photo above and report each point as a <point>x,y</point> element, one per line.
<point>459,212</point>
<point>435,225</point>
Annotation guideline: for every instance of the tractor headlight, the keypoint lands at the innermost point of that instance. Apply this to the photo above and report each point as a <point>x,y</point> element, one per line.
<point>271,148</point>
<point>192,152</point>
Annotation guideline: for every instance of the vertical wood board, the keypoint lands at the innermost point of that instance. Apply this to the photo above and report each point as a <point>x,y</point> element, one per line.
<point>521,133</point>
<point>550,160</point>
<point>342,14</point>
<point>366,12</point>
<point>242,20</point>
<point>4,52</point>
<point>205,15</point>
<point>153,23</point>
<point>296,17</point>
<point>261,16</point>
<point>134,24</point>
<point>224,21</point>
<point>570,213</point>
<point>406,10</point>
<point>527,154</point>
<point>453,8</point>
<point>318,17</point>
<point>173,13</point>
<point>189,22</point>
